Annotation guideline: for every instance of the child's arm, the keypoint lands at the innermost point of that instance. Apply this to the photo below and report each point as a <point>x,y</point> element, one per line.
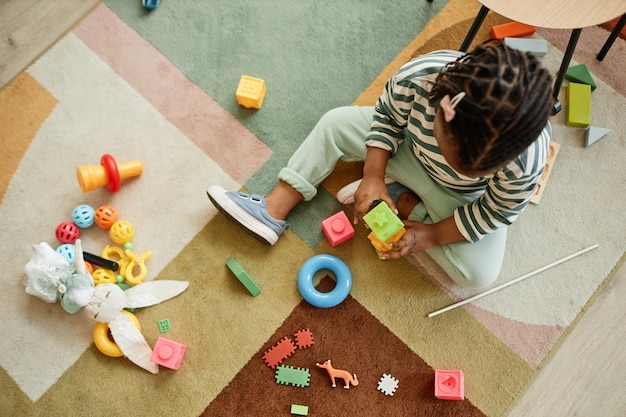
<point>421,236</point>
<point>372,186</point>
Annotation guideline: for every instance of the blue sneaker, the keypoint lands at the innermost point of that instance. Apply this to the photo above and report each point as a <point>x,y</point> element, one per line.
<point>249,211</point>
<point>395,189</point>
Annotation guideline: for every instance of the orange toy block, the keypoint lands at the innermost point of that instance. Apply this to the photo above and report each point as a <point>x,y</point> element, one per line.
<point>168,353</point>
<point>275,355</point>
<point>337,228</point>
<point>512,30</point>
<point>250,92</point>
<point>304,338</point>
<point>449,385</point>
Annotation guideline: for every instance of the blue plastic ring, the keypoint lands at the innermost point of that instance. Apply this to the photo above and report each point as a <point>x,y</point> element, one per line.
<point>324,299</point>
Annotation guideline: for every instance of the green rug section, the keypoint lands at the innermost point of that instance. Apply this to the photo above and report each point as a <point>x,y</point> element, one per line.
<point>308,69</point>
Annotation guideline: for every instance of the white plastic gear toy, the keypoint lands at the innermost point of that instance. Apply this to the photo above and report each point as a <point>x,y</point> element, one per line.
<point>387,384</point>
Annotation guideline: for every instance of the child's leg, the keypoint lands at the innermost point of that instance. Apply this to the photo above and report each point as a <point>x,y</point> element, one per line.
<point>339,134</point>
<point>469,264</point>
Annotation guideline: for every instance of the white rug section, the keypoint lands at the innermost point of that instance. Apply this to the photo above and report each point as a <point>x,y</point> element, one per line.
<point>98,113</point>
<point>582,205</point>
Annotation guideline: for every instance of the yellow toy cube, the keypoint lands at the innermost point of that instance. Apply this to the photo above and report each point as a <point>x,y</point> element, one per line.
<point>250,92</point>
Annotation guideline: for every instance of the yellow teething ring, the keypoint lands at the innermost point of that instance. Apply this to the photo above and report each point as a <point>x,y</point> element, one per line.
<point>104,342</point>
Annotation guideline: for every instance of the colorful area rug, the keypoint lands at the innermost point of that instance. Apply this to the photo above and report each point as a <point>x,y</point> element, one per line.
<point>159,87</point>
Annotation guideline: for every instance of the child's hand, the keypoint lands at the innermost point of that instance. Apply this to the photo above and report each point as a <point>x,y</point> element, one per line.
<point>416,238</point>
<point>370,190</point>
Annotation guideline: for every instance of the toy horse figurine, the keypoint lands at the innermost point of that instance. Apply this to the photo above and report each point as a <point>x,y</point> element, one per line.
<point>333,373</point>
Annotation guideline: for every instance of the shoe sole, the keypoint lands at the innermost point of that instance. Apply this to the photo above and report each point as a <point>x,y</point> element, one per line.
<point>346,194</point>
<point>236,214</point>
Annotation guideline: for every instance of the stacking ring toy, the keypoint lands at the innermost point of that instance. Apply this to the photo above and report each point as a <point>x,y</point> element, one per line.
<point>324,299</point>
<point>103,341</point>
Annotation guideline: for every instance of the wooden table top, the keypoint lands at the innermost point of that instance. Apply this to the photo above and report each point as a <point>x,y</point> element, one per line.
<point>558,14</point>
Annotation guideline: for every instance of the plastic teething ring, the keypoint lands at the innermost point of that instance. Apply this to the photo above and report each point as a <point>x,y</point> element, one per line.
<point>324,299</point>
<point>113,173</point>
<point>102,340</point>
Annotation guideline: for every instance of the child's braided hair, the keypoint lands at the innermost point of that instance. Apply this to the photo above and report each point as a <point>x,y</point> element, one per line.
<point>508,99</point>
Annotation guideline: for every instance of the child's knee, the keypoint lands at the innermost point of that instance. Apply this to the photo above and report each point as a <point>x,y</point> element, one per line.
<point>476,276</point>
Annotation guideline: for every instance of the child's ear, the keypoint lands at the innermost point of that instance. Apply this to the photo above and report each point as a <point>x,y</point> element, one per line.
<point>445,104</point>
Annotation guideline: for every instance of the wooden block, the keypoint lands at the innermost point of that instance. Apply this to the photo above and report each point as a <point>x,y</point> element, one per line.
<point>578,105</point>
<point>580,74</point>
<point>512,30</point>
<point>554,150</point>
<point>537,47</point>
<point>594,134</point>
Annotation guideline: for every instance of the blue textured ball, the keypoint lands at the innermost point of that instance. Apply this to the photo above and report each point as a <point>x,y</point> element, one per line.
<point>68,251</point>
<point>84,216</point>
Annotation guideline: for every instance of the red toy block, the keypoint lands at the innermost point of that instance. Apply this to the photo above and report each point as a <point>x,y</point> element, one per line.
<point>304,338</point>
<point>168,353</point>
<point>279,352</point>
<point>512,30</point>
<point>337,228</point>
<point>449,385</point>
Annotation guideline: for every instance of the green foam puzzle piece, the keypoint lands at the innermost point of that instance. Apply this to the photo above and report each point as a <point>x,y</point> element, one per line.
<point>578,105</point>
<point>580,74</point>
<point>288,375</point>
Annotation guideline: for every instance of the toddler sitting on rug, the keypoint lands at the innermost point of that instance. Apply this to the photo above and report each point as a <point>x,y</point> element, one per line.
<point>456,145</point>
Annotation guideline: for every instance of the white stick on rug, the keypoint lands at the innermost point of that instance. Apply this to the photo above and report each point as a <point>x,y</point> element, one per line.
<point>515,281</point>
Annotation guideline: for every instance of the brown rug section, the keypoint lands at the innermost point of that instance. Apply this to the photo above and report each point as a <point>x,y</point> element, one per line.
<point>24,105</point>
<point>355,341</point>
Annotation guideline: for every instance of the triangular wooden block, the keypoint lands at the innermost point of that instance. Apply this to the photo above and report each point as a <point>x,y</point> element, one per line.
<point>594,134</point>
<point>580,74</point>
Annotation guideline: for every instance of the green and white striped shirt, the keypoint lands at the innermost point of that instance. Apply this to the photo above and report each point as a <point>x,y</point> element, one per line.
<point>403,111</point>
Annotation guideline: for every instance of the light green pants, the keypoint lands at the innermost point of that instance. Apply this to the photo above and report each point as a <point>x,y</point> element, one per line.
<point>340,134</point>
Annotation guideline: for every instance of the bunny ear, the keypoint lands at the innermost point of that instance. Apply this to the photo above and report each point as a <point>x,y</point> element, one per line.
<point>132,343</point>
<point>79,260</point>
<point>153,292</point>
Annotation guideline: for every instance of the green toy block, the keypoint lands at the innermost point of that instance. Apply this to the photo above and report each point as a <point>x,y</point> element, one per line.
<point>243,277</point>
<point>580,74</point>
<point>383,222</point>
<point>288,375</point>
<point>594,134</point>
<point>164,325</point>
<point>578,105</point>
<point>299,410</point>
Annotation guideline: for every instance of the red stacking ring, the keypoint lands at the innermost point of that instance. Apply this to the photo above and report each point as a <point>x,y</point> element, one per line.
<point>113,173</point>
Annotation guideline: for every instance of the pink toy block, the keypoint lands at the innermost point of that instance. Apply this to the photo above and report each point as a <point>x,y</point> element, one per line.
<point>337,228</point>
<point>168,353</point>
<point>449,385</point>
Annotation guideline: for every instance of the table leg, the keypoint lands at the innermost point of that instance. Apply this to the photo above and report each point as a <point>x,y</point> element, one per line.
<point>569,52</point>
<point>609,42</point>
<point>471,34</point>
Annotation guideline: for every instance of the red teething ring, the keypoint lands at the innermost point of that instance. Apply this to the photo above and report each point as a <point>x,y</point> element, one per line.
<point>113,173</point>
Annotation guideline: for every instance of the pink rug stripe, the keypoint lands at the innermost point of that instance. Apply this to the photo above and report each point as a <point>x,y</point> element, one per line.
<point>216,132</point>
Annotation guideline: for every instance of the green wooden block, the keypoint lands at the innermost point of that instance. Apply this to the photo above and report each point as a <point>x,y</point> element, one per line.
<point>580,74</point>
<point>299,410</point>
<point>578,105</point>
<point>243,277</point>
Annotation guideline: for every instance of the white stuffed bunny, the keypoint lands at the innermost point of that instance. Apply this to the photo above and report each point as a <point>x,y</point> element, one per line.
<point>51,277</point>
<point>107,303</point>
